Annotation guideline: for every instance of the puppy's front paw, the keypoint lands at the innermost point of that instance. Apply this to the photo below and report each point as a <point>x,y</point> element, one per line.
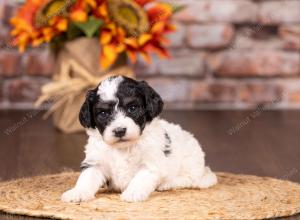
<point>75,195</point>
<point>133,196</point>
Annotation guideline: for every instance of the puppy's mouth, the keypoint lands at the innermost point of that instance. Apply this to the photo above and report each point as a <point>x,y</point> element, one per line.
<point>121,140</point>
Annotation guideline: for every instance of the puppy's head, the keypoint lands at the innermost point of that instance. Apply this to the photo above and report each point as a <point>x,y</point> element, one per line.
<point>120,108</point>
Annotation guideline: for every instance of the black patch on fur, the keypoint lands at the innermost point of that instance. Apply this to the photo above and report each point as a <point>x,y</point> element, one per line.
<point>136,99</point>
<point>84,166</point>
<point>86,112</point>
<point>130,96</point>
<point>167,150</point>
<point>153,101</point>
<point>168,138</point>
<point>107,184</point>
<point>109,108</point>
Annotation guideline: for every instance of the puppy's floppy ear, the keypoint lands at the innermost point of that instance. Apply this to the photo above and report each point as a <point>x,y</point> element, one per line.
<point>154,103</point>
<point>86,116</point>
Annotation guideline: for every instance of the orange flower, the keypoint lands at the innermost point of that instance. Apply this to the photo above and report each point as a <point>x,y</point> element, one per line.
<point>117,40</point>
<point>155,41</point>
<point>112,41</point>
<point>143,2</point>
<point>26,29</point>
<point>159,12</point>
<point>80,10</point>
<point>128,26</point>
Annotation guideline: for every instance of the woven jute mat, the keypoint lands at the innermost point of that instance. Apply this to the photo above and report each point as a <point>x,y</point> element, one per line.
<point>235,197</point>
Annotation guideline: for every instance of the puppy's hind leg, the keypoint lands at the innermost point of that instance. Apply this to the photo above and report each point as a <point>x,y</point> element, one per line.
<point>180,182</point>
<point>208,179</point>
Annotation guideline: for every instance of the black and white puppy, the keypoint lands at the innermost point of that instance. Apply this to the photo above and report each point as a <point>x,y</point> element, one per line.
<point>131,148</point>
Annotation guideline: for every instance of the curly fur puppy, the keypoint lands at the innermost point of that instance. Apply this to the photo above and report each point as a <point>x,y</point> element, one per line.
<point>131,149</point>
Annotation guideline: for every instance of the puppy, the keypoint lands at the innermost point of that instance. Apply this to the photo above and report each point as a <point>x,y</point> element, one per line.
<point>131,148</point>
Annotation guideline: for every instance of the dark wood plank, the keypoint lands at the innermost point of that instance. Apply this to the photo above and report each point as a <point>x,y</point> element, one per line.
<point>264,143</point>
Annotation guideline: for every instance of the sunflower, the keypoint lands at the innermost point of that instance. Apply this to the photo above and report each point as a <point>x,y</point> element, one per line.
<point>38,21</point>
<point>129,27</point>
<point>129,15</point>
<point>135,29</point>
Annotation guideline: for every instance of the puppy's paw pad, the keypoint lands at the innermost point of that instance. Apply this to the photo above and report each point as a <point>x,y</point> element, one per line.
<point>74,195</point>
<point>132,196</point>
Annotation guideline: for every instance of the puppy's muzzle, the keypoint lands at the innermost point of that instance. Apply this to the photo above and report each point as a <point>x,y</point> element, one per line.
<point>119,132</point>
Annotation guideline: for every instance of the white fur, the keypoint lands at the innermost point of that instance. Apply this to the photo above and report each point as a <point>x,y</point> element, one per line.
<point>142,168</point>
<point>108,88</point>
<point>132,131</point>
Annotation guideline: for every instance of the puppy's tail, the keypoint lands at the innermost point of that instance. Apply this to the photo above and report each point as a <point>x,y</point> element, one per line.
<point>208,178</point>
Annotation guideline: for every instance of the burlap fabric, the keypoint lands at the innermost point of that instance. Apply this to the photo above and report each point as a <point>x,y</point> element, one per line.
<point>235,197</point>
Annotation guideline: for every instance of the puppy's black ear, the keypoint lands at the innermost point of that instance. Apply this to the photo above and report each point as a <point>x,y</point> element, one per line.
<point>86,116</point>
<point>154,103</point>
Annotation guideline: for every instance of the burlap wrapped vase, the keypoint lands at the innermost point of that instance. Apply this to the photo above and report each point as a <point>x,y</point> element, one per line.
<point>77,70</point>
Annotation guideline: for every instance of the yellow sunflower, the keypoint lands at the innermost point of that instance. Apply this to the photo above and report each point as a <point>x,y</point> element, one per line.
<point>133,29</point>
<point>127,26</point>
<point>38,21</point>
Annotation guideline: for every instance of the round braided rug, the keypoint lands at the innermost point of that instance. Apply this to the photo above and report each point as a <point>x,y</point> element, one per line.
<point>235,197</point>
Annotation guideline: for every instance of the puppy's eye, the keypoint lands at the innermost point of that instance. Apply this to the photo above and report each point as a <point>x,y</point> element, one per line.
<point>104,114</point>
<point>132,108</point>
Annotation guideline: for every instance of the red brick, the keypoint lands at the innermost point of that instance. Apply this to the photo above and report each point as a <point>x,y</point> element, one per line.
<point>259,92</point>
<point>257,37</point>
<point>198,91</point>
<point>203,91</point>
<point>191,90</point>
<point>291,36</point>
<point>182,63</point>
<point>171,90</point>
<point>9,9</point>
<point>21,90</point>
<point>292,90</point>
<point>245,42</point>
<point>236,11</point>
<point>180,90</point>
<point>4,36</point>
<point>221,92</point>
<point>277,12</point>
<point>2,14</point>
<point>294,96</point>
<point>10,63</point>
<point>187,64</point>
<point>143,69</point>
<point>40,63</point>
<point>1,91</point>
<point>255,63</point>
<point>211,36</point>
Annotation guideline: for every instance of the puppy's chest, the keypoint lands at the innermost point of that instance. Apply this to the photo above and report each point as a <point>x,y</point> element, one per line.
<point>123,167</point>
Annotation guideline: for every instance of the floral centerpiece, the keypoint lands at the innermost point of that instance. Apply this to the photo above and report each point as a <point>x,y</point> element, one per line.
<point>80,31</point>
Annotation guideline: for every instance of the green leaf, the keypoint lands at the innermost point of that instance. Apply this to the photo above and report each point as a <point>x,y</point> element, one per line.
<point>74,32</point>
<point>90,27</point>
<point>177,8</point>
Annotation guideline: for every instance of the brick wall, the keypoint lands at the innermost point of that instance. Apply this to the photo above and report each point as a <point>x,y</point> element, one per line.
<point>226,54</point>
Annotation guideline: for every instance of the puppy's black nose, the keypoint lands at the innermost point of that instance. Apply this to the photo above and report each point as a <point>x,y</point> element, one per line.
<point>119,132</point>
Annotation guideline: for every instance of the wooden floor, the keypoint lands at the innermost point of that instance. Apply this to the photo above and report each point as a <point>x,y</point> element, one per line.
<point>250,142</point>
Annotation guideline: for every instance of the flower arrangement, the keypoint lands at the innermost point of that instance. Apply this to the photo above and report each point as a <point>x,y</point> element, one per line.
<point>131,27</point>
<point>113,30</point>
